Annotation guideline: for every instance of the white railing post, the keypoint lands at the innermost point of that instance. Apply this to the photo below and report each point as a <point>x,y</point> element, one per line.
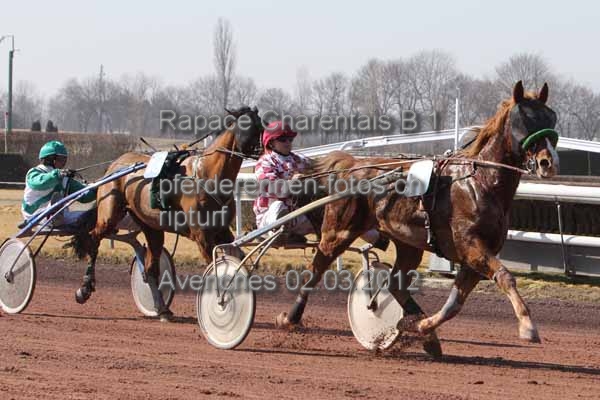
<point>238,214</point>
<point>456,117</point>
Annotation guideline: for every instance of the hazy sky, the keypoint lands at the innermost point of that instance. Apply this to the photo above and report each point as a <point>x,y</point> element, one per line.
<point>173,39</point>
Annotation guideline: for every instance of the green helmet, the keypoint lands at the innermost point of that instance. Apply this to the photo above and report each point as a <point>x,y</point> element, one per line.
<point>51,148</point>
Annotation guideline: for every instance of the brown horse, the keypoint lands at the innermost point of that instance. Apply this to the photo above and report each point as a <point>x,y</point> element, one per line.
<point>467,207</point>
<point>221,161</point>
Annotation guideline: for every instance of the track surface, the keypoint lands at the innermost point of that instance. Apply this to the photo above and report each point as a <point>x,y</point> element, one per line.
<point>58,349</point>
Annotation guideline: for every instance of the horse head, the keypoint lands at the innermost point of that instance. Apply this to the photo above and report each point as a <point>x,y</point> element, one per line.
<point>531,131</point>
<point>248,129</point>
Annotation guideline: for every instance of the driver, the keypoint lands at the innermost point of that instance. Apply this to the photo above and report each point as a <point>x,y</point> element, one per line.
<point>49,182</point>
<point>279,162</point>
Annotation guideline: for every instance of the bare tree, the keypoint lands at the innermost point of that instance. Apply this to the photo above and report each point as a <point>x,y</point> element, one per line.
<point>329,94</point>
<point>27,105</point>
<point>433,78</point>
<point>139,91</point>
<point>170,98</point>
<point>66,106</point>
<point>330,99</point>
<point>203,97</point>
<point>274,103</point>
<point>224,53</point>
<point>81,105</point>
<point>373,90</point>
<point>532,69</point>
<point>479,100</point>
<point>244,91</point>
<point>425,83</point>
<point>403,95</point>
<point>579,112</point>
<point>303,92</point>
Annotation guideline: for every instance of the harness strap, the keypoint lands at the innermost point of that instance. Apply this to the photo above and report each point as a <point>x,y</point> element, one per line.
<point>431,237</point>
<point>195,167</point>
<point>195,176</point>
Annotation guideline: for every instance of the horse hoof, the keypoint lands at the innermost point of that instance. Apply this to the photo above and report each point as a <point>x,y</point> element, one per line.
<point>82,295</point>
<point>282,322</point>
<point>422,327</point>
<point>166,316</point>
<point>530,335</point>
<point>432,346</point>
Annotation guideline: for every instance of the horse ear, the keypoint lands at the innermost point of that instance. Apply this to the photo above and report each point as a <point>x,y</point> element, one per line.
<point>543,96</point>
<point>518,92</point>
<point>236,114</point>
<point>227,111</point>
<point>255,109</point>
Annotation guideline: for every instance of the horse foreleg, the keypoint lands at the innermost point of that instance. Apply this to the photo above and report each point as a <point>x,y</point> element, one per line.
<point>507,283</point>
<point>487,263</point>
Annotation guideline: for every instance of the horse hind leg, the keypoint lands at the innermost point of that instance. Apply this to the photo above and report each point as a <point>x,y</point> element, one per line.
<point>85,243</point>
<point>155,241</point>
<point>329,249</point>
<point>226,236</point>
<point>464,283</point>
<point>408,258</point>
<point>108,214</point>
<point>317,267</point>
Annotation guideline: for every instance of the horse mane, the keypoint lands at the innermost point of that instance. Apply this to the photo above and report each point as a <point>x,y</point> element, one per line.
<point>492,127</point>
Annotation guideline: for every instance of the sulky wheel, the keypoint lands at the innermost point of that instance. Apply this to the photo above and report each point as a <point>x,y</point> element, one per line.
<point>142,295</point>
<point>16,284</point>
<point>225,312</point>
<point>374,316</point>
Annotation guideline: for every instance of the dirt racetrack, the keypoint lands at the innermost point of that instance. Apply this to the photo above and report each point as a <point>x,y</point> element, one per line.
<point>58,349</point>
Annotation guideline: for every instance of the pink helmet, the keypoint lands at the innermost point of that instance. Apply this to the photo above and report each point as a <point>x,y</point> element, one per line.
<point>276,129</point>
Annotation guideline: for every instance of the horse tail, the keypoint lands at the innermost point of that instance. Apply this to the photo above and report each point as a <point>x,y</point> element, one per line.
<point>82,243</point>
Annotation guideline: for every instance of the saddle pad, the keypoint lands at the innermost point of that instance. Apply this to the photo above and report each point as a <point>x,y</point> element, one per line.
<point>418,178</point>
<point>156,164</point>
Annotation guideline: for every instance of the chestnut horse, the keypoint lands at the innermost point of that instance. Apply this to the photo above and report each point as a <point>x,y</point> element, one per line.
<point>131,194</point>
<point>467,207</point>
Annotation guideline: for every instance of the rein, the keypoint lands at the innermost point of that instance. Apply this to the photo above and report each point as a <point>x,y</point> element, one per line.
<point>451,160</point>
<point>376,166</point>
<point>235,153</point>
<point>492,164</point>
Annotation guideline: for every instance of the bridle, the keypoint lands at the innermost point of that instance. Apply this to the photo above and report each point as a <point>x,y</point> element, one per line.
<point>526,138</point>
<point>253,153</point>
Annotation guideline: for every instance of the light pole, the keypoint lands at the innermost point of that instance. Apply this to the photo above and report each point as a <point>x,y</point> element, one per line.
<point>456,118</point>
<point>8,126</point>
